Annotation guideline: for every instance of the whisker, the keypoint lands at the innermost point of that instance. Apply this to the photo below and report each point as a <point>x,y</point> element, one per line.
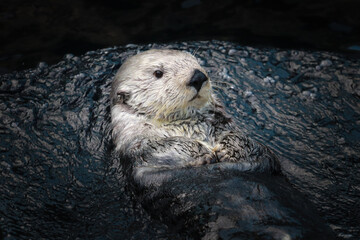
<point>195,51</point>
<point>219,87</point>
<point>221,82</point>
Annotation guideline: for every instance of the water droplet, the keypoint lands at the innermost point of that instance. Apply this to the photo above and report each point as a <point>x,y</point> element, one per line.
<point>326,63</point>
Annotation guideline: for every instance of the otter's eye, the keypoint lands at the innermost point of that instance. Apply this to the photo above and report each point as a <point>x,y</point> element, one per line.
<point>158,74</point>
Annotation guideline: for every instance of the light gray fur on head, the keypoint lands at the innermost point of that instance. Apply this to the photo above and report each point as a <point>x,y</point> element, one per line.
<point>167,97</point>
<point>140,100</point>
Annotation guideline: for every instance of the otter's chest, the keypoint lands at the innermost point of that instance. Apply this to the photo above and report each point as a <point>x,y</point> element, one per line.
<point>194,129</point>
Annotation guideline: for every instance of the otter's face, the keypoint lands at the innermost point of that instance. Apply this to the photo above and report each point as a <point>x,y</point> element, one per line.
<point>163,84</point>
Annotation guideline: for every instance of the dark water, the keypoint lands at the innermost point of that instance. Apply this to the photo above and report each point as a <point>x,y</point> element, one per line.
<point>39,30</point>
<point>60,180</point>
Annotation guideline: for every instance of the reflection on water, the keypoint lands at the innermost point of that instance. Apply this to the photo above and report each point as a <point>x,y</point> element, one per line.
<point>56,168</point>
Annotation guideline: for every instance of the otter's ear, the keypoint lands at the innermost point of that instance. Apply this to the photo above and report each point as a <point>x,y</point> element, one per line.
<point>121,98</point>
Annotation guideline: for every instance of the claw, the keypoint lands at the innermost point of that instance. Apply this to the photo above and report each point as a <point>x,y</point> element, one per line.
<point>224,158</point>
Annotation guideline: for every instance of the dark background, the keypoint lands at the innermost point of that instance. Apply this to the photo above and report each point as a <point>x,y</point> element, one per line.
<point>45,30</point>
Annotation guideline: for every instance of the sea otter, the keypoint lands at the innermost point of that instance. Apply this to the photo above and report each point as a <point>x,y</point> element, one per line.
<point>165,115</point>
<point>191,166</point>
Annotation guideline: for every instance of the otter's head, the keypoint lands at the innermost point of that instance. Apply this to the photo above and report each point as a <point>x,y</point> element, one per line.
<point>163,85</point>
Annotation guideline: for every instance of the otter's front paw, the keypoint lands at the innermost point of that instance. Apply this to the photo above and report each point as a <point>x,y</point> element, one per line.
<point>222,155</point>
<point>232,148</point>
<point>207,158</point>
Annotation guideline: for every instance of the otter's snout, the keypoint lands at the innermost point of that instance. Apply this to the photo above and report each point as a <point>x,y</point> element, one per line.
<point>197,80</point>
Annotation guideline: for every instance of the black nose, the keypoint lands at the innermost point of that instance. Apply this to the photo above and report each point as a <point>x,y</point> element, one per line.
<point>197,80</point>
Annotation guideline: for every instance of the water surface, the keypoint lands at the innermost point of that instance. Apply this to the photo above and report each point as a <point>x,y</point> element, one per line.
<point>60,179</point>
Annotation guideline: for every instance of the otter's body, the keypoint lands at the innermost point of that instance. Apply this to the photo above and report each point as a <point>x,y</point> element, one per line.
<point>192,168</point>
<point>175,120</point>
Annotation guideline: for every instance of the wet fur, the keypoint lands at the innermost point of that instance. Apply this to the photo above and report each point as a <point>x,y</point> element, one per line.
<point>157,124</point>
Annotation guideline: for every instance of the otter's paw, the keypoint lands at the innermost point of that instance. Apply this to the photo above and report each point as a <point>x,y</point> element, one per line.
<point>232,148</point>
<point>222,155</point>
<point>207,158</point>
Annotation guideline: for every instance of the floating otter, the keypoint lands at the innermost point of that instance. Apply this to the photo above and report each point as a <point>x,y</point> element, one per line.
<point>190,164</point>
<point>164,114</point>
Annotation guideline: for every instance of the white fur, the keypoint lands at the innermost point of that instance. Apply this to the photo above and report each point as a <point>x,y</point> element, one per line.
<point>155,102</point>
